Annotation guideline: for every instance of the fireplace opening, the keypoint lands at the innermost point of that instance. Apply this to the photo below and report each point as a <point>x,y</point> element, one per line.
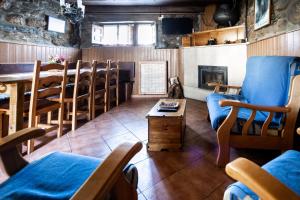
<point>211,74</point>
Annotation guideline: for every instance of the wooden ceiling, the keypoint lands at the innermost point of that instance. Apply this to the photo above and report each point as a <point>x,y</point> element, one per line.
<point>152,2</point>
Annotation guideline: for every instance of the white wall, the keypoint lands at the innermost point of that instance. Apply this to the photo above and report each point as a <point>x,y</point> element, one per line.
<point>233,56</point>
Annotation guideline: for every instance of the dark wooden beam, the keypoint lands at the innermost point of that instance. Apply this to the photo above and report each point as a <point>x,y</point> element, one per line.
<point>142,10</point>
<point>154,2</point>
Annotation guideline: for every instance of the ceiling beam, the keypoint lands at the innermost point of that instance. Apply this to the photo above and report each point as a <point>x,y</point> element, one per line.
<point>178,3</point>
<point>139,10</point>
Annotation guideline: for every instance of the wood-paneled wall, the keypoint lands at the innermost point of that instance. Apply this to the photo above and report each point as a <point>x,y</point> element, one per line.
<point>11,53</point>
<point>137,54</point>
<point>287,44</point>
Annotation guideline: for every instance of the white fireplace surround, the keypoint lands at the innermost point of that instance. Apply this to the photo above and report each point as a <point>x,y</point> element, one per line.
<point>233,56</point>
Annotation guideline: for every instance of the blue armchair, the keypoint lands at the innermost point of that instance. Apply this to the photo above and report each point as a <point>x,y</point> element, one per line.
<point>65,175</point>
<point>263,113</point>
<point>276,180</point>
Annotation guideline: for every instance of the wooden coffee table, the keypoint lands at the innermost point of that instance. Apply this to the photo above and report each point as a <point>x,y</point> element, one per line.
<point>166,129</point>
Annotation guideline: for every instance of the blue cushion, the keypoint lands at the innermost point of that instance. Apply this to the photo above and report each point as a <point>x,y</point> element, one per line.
<point>4,98</point>
<point>217,113</point>
<point>286,168</point>
<point>56,176</point>
<point>267,80</point>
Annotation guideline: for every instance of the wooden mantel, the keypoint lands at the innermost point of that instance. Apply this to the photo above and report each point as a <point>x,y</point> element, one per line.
<point>233,34</point>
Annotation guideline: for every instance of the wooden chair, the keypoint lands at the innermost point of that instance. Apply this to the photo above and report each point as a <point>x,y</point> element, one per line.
<point>65,175</point>
<point>100,88</point>
<point>54,83</point>
<point>113,83</point>
<point>81,91</point>
<point>48,80</point>
<point>278,179</point>
<point>265,119</point>
<point>256,182</point>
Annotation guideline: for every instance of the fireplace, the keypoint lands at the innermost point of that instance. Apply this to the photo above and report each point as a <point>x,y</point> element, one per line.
<point>209,74</point>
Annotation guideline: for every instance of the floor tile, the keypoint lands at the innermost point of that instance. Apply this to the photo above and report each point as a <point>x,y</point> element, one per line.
<point>196,181</point>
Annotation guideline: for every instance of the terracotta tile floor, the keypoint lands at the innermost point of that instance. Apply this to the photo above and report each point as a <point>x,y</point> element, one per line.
<point>189,174</point>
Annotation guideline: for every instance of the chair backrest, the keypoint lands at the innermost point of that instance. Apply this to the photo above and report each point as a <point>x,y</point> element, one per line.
<point>114,70</point>
<point>48,80</point>
<point>101,76</point>
<point>267,80</point>
<point>84,79</point>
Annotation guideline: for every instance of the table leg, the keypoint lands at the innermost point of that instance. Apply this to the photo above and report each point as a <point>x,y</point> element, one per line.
<point>16,103</point>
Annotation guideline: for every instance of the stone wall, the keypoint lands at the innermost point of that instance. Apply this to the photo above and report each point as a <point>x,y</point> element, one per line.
<point>285,17</point>
<point>25,21</point>
<point>173,41</point>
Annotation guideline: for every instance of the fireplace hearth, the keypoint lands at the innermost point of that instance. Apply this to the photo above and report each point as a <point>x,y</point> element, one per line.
<point>211,74</point>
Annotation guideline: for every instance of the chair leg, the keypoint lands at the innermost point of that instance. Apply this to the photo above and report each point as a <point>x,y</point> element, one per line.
<point>105,101</point>
<point>93,108</point>
<point>68,111</point>
<point>30,146</point>
<point>117,95</point>
<point>90,102</point>
<point>74,116</point>
<point>60,121</point>
<point>223,135</point>
<point>37,120</point>
<point>1,125</point>
<point>223,153</point>
<point>49,117</point>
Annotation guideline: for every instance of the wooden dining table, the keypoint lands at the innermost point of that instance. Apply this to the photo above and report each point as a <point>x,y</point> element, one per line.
<point>14,85</point>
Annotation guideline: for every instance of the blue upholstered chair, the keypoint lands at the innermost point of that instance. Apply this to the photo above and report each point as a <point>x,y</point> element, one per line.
<point>65,175</point>
<point>277,180</point>
<point>263,113</point>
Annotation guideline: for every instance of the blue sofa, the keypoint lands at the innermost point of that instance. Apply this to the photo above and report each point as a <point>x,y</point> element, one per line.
<point>261,105</point>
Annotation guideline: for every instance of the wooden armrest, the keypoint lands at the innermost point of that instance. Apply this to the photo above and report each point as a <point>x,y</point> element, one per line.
<point>14,139</point>
<point>254,107</point>
<point>258,180</point>
<point>102,180</point>
<point>225,86</point>
<point>298,131</point>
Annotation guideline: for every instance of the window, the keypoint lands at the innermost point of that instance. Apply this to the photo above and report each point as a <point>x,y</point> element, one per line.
<point>124,34</point>
<point>146,34</point>
<point>110,35</point>
<point>97,34</point>
<point>115,34</point>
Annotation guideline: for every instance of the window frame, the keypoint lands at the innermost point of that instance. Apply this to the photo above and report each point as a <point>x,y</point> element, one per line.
<point>134,33</point>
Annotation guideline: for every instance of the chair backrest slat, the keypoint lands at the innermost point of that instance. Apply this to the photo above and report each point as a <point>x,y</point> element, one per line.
<point>52,91</point>
<point>50,80</point>
<point>52,66</point>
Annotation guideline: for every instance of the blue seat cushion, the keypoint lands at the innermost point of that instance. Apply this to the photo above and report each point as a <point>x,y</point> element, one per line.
<point>4,99</point>
<point>56,176</point>
<point>217,113</point>
<point>286,168</point>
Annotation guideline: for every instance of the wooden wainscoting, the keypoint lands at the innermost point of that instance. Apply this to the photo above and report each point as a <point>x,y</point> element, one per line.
<point>12,53</point>
<point>137,54</point>
<point>287,44</point>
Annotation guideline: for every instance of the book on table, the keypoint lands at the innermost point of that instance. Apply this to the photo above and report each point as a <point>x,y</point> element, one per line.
<point>168,106</point>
